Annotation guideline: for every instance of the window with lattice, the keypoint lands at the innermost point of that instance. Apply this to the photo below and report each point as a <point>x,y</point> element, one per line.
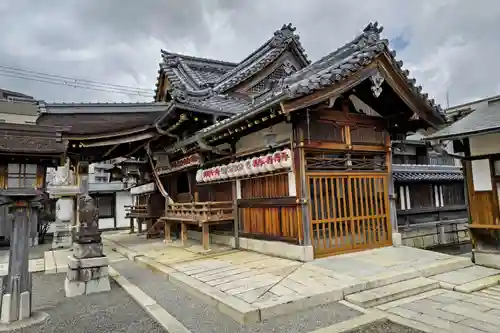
<point>278,73</point>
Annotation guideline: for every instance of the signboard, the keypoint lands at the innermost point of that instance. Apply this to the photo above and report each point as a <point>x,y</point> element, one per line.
<point>183,163</point>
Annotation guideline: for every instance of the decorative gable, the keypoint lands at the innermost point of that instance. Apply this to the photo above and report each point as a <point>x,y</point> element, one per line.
<point>281,71</point>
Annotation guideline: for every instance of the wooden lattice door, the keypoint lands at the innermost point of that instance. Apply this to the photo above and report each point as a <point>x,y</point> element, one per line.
<point>348,211</point>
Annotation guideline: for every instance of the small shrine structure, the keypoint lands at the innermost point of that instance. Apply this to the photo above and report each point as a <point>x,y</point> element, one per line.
<point>274,153</point>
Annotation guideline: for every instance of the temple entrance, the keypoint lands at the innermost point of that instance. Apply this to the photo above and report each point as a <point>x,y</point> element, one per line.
<point>349,211</point>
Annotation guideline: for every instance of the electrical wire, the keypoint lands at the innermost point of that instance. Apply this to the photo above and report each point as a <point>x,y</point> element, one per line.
<point>36,76</point>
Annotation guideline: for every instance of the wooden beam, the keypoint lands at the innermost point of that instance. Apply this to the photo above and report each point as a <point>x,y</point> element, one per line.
<point>327,93</point>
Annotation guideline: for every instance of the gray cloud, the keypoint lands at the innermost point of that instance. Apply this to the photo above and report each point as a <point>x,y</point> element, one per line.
<point>452,44</point>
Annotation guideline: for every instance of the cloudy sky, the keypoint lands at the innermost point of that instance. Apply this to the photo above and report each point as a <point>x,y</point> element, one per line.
<point>448,45</point>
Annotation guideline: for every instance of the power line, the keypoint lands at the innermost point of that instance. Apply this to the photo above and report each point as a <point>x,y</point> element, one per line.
<point>36,76</point>
<point>67,78</point>
<point>72,85</point>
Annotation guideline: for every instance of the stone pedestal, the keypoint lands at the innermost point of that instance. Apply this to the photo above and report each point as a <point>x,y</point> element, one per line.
<point>88,266</point>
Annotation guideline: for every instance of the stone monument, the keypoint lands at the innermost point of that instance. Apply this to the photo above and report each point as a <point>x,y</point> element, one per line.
<point>88,266</point>
<point>65,190</point>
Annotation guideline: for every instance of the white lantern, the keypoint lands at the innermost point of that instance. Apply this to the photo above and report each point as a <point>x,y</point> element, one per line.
<point>223,172</point>
<point>216,173</point>
<point>262,164</point>
<point>269,162</point>
<point>286,158</point>
<point>247,164</point>
<point>277,160</point>
<point>240,169</point>
<point>199,175</point>
<point>210,175</point>
<point>230,170</point>
<point>255,165</point>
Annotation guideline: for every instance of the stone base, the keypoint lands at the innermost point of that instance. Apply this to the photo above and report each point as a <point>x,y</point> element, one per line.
<point>486,259</point>
<point>79,288</point>
<point>9,314</point>
<point>87,276</point>
<point>35,318</point>
<point>396,239</point>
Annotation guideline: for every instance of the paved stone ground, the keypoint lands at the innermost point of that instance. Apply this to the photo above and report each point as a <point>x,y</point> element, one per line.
<point>199,317</point>
<point>449,311</point>
<point>113,311</point>
<point>265,282</point>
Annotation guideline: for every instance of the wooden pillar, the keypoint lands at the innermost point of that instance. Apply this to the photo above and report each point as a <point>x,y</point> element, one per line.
<point>184,233</point>
<point>391,207</point>
<point>205,231</point>
<point>236,191</point>
<point>299,168</point>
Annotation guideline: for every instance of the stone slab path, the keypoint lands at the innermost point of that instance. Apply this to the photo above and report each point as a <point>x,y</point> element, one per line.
<point>449,311</point>
<point>255,286</point>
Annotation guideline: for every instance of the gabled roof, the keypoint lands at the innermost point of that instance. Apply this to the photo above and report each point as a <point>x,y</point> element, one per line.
<point>199,77</point>
<point>346,60</point>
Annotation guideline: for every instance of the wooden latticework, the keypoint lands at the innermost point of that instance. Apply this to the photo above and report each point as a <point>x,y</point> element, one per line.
<point>369,162</point>
<point>348,212</point>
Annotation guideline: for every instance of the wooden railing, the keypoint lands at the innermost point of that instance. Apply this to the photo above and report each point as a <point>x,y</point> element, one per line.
<point>202,214</point>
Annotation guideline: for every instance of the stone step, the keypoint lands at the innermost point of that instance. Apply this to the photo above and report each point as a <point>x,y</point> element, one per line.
<point>492,292</point>
<point>392,292</point>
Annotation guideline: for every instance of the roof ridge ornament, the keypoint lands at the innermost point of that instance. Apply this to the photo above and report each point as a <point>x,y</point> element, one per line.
<point>286,33</point>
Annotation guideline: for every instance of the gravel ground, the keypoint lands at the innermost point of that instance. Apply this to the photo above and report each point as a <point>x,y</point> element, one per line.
<point>199,317</point>
<point>36,252</point>
<point>108,312</point>
<point>384,326</point>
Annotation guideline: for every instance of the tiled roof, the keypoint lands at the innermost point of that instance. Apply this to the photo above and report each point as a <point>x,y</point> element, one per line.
<point>81,123</point>
<point>420,172</point>
<point>199,76</point>
<point>119,108</point>
<point>484,119</point>
<point>427,176</point>
<point>346,60</point>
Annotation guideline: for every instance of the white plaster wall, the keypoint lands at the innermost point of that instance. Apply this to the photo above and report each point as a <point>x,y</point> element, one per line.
<point>485,144</point>
<point>107,223</point>
<point>123,198</point>
<point>283,131</point>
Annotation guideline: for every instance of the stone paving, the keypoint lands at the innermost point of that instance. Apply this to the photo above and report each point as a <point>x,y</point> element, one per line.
<point>273,286</point>
<point>449,311</point>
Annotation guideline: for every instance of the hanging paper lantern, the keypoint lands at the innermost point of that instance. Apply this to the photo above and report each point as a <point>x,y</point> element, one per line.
<point>230,170</point>
<point>240,169</point>
<point>223,172</point>
<point>268,159</point>
<point>286,158</point>
<point>255,165</point>
<point>217,173</point>
<point>199,175</point>
<point>277,160</point>
<point>262,164</point>
<point>247,164</point>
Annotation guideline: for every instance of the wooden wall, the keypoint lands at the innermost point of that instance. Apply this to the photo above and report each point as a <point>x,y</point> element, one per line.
<point>267,211</point>
<point>483,205</point>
